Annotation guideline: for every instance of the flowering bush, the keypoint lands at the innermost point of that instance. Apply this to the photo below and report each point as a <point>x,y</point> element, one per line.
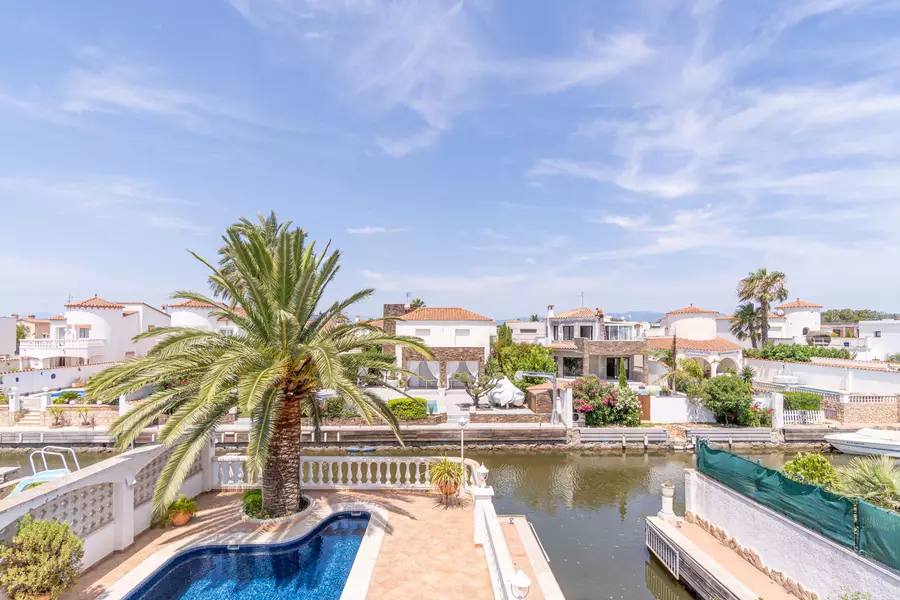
<point>757,416</point>
<point>603,404</point>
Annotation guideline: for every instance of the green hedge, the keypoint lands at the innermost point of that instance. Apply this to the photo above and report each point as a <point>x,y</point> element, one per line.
<point>406,409</point>
<point>337,408</point>
<point>796,352</point>
<point>802,401</point>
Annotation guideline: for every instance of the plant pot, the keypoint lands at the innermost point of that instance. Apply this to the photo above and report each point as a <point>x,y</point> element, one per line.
<point>179,518</point>
<point>85,426</point>
<point>449,488</point>
<point>55,426</point>
<point>41,597</point>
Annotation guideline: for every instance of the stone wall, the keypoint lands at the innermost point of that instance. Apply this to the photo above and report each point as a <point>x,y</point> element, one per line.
<point>98,415</point>
<point>611,348</point>
<point>864,412</point>
<point>447,354</point>
<point>502,417</point>
<point>539,400</point>
<point>438,419</point>
<point>393,310</point>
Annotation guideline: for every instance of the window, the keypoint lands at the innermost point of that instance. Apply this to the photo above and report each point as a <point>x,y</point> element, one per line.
<point>84,333</point>
<point>619,332</point>
<point>462,332</point>
<point>129,354</point>
<point>586,331</point>
<point>528,330</point>
<point>805,330</point>
<point>423,332</point>
<point>555,332</point>
<point>60,333</point>
<point>877,334</point>
<point>151,327</point>
<point>226,331</point>
<point>568,332</point>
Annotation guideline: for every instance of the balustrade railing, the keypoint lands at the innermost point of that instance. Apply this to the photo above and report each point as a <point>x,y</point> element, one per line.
<point>871,398</point>
<point>343,472</point>
<point>50,344</point>
<point>765,386</point>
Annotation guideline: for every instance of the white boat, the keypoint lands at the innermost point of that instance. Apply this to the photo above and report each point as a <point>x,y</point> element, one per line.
<point>867,442</point>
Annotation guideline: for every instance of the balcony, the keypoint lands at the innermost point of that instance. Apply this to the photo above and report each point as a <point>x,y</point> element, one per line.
<point>25,346</point>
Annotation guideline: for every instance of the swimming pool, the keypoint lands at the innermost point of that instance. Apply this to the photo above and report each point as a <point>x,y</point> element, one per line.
<point>315,566</point>
<point>57,394</point>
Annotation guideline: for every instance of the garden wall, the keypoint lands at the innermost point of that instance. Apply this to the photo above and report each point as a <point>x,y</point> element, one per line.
<point>35,380</point>
<point>856,379</point>
<point>783,545</point>
<point>678,409</point>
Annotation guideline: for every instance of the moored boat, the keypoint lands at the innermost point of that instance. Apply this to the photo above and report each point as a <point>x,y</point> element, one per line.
<point>867,442</point>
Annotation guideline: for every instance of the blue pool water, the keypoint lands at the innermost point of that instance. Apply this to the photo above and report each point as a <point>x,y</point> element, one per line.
<point>56,394</point>
<point>313,567</point>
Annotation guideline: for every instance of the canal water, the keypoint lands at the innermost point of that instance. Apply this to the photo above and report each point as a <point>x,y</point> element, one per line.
<point>588,510</point>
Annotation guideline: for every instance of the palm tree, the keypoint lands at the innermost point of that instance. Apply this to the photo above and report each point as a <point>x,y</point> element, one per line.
<point>764,288</point>
<point>417,303</point>
<point>747,374</point>
<point>875,479</point>
<point>291,345</point>
<point>534,318</point>
<point>746,323</point>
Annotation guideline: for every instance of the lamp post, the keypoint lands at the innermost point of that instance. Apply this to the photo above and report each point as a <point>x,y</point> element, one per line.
<point>462,423</point>
<point>520,585</point>
<point>483,472</point>
<point>554,417</point>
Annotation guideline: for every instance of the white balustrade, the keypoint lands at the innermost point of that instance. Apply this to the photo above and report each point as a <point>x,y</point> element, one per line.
<point>871,398</point>
<point>343,472</point>
<point>492,540</point>
<point>49,344</point>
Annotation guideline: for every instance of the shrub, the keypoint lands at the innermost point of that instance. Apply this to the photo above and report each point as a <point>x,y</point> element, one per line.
<point>65,397</point>
<point>44,559</point>
<point>184,504</point>
<point>337,408</point>
<point>802,401</point>
<point>253,504</point>
<point>875,479</point>
<point>757,416</point>
<point>507,358</point>
<point>811,468</point>
<point>603,404</point>
<point>407,409</point>
<point>58,414</point>
<point>894,358</point>
<point>85,415</point>
<point>727,397</point>
<point>796,352</point>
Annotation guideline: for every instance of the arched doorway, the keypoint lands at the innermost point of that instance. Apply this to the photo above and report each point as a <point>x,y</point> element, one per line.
<point>728,365</point>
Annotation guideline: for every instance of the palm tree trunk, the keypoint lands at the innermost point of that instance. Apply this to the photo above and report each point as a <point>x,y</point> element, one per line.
<point>281,477</point>
<point>764,323</point>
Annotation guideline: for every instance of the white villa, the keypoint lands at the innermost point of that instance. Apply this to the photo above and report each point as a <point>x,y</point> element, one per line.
<point>696,336</point>
<point>526,332</point>
<point>191,313</point>
<point>95,331</point>
<point>460,341</point>
<point>790,324</point>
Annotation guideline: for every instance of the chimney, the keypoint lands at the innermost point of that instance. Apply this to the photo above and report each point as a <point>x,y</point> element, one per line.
<point>549,310</point>
<point>356,319</point>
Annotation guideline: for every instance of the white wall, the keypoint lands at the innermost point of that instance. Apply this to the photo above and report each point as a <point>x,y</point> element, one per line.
<point>691,326</point>
<point>678,409</point>
<point>806,557</point>
<point>192,317</point>
<point>798,319</point>
<point>442,334</point>
<point>888,343</point>
<point>37,379</point>
<point>7,336</point>
<point>845,378</point>
<point>521,332</point>
<point>147,317</point>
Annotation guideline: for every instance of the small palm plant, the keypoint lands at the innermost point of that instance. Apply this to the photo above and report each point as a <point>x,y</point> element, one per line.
<point>875,479</point>
<point>290,346</point>
<point>446,476</point>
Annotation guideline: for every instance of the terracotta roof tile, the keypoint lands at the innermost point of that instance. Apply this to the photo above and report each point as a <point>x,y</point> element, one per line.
<point>687,310</point>
<point>58,318</point>
<point>714,345</point>
<point>730,317</point>
<point>144,304</point>
<point>128,313</point>
<point>443,314</point>
<point>563,346</point>
<point>30,320</point>
<point>883,368</point>
<point>579,313</point>
<point>192,304</point>
<point>798,303</point>
<point>95,302</point>
<point>377,323</point>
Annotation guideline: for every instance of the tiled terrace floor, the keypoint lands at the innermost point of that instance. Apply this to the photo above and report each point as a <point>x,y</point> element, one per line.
<point>427,551</point>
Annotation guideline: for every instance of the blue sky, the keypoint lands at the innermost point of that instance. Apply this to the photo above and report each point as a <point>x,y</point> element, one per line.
<point>493,155</point>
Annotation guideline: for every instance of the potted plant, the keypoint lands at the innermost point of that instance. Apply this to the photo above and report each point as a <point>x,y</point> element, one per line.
<point>42,561</point>
<point>58,415</point>
<point>181,510</point>
<point>85,414</point>
<point>446,476</point>
<point>78,382</point>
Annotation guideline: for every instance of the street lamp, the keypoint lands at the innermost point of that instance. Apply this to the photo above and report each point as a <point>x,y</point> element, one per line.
<point>463,422</point>
<point>483,471</point>
<point>520,585</point>
<point>554,417</point>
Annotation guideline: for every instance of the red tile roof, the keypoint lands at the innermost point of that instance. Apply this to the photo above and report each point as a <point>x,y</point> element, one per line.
<point>798,303</point>
<point>443,314</point>
<point>192,304</point>
<point>58,318</point>
<point>730,317</point>
<point>687,310</point>
<point>579,313</point>
<point>95,302</point>
<point>128,313</point>
<point>714,345</point>
<point>144,304</point>
<point>563,346</point>
<point>377,323</point>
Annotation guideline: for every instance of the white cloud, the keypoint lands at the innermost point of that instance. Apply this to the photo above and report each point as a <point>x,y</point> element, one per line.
<point>530,246</point>
<point>162,221</point>
<point>373,229</point>
<point>494,235</point>
<point>372,275</point>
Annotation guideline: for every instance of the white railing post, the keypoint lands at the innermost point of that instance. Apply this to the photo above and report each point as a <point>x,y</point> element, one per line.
<point>778,415</point>
<point>13,406</point>
<point>206,465</point>
<point>45,400</point>
<point>667,513</point>
<point>481,496</point>
<point>123,405</point>
<point>123,512</point>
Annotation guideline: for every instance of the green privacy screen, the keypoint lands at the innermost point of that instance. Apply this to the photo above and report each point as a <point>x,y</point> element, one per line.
<point>879,534</point>
<point>821,511</point>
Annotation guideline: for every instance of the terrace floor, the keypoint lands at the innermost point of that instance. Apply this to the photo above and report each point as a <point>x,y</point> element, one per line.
<point>427,550</point>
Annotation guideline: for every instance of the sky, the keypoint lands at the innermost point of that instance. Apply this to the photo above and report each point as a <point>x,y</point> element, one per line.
<point>494,155</point>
